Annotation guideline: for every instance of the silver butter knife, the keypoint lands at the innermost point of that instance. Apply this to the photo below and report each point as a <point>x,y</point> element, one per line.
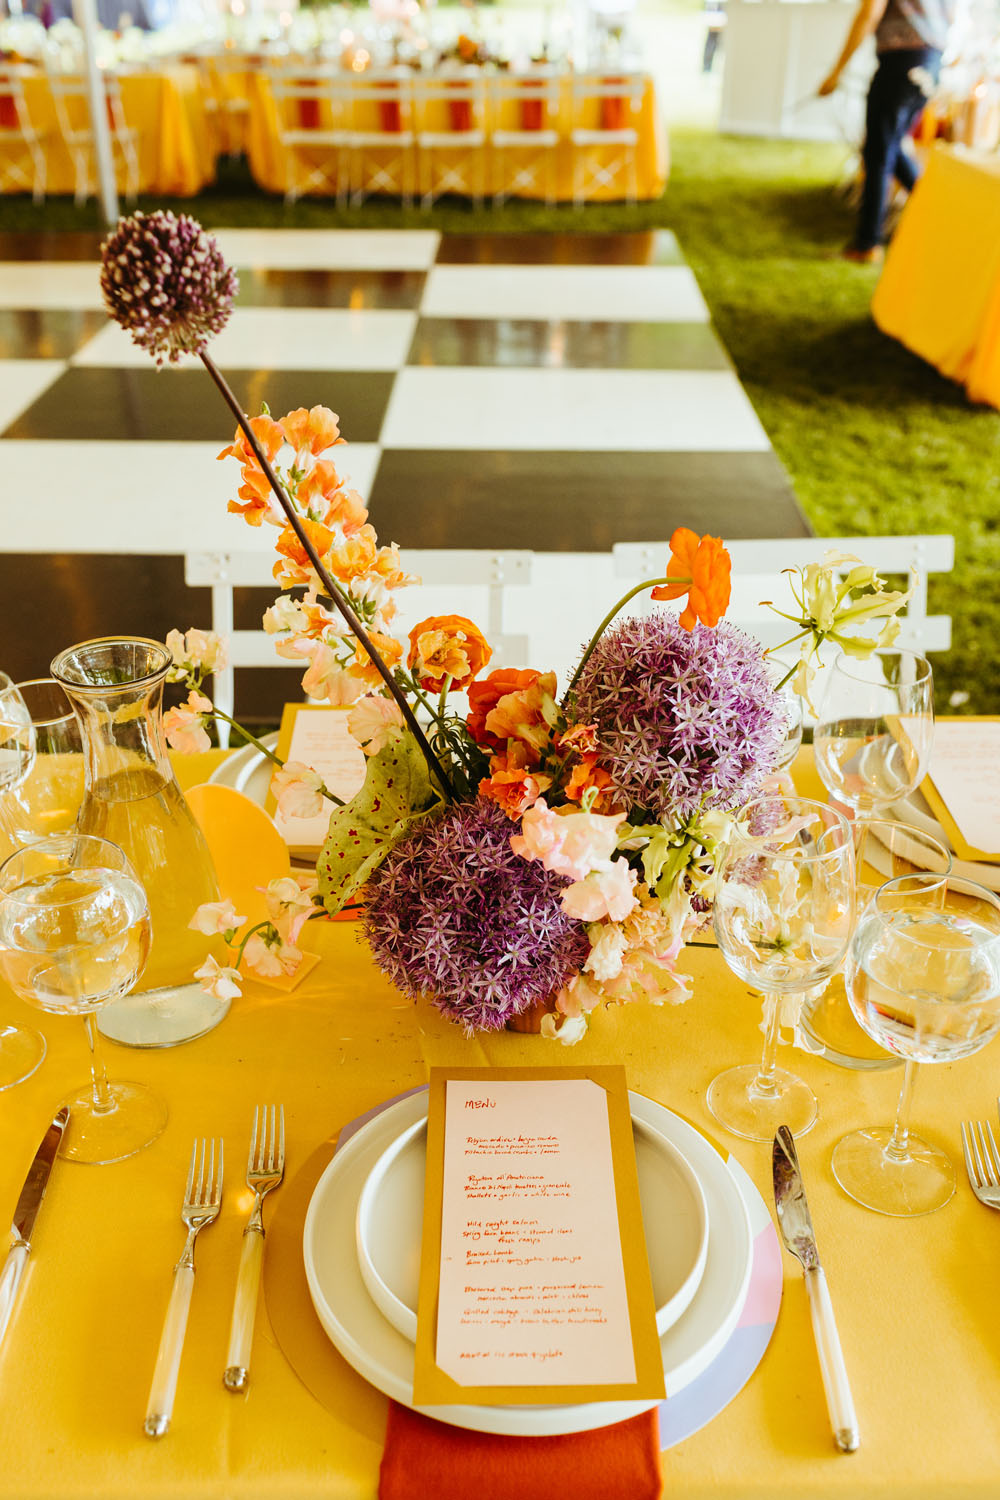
<point>797,1231</point>
<point>25,1214</point>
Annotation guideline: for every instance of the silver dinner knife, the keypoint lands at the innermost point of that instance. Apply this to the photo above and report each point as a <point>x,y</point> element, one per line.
<point>797,1231</point>
<point>25,1214</point>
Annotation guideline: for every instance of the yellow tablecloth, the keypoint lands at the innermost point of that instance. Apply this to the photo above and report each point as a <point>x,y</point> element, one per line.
<point>270,168</point>
<point>939,293</point>
<point>164,107</point>
<point>916,1300</point>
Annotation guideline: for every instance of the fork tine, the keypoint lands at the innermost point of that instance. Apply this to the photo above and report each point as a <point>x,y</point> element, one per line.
<point>973,1147</point>
<point>966,1152</point>
<point>992,1152</point>
<point>982,1156</point>
<point>252,1158</point>
<point>271,1139</point>
<point>189,1187</point>
<point>217,1195</point>
<point>281,1139</point>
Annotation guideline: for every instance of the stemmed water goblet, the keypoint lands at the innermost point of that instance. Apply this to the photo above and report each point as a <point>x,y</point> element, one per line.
<point>873,735</point>
<point>884,849</point>
<point>48,798</point>
<point>21,1048</point>
<point>783,909</point>
<point>923,980</point>
<point>74,935</point>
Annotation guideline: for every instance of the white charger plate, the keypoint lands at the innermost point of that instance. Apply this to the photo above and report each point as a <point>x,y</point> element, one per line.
<point>914,809</point>
<point>389,1226</point>
<point>385,1358</point>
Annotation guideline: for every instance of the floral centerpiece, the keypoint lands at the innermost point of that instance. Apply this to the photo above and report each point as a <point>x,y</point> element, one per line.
<point>513,846</point>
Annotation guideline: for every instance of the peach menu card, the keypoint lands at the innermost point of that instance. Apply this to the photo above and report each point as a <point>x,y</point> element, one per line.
<point>317,734</point>
<point>534,1280</point>
<point>963,785</point>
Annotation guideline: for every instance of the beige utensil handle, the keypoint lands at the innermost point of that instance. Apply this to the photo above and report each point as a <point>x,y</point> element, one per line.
<point>839,1401</point>
<point>237,1373</point>
<point>10,1280</point>
<point>168,1360</point>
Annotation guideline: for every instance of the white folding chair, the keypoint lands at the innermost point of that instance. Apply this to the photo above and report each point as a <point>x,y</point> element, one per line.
<point>72,105</point>
<point>524,115</point>
<point>446,578</point>
<point>381,136</point>
<point>312,109</point>
<point>22,154</point>
<point>605,132</point>
<point>451,134</point>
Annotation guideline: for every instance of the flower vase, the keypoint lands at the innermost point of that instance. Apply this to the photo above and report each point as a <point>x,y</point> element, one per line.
<point>131,797</point>
<point>529,1022</point>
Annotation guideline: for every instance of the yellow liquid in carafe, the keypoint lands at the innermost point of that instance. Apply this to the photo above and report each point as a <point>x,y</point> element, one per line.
<point>146,815</point>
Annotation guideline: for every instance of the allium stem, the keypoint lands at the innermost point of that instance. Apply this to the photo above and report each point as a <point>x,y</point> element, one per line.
<point>650,583</point>
<point>332,589</point>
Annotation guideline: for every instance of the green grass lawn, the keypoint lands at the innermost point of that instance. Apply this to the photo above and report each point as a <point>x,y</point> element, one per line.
<point>875,441</point>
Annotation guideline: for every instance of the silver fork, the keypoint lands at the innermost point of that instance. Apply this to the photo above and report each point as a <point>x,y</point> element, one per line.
<point>202,1202</point>
<point>982,1161</point>
<point>265,1170</point>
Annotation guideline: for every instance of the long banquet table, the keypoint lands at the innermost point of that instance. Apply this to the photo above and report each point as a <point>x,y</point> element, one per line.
<point>164,106</point>
<point>939,293</point>
<point>916,1300</point>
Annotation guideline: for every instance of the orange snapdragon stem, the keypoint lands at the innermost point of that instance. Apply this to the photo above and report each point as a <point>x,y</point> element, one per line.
<point>333,590</point>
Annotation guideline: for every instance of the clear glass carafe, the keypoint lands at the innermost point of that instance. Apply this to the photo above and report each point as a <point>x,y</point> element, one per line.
<point>131,797</point>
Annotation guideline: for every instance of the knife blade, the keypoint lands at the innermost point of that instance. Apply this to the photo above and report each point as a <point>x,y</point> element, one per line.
<point>795,1222</point>
<point>26,1212</point>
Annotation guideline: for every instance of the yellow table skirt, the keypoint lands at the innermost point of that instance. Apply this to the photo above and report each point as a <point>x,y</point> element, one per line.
<point>939,293</point>
<point>166,110</point>
<point>497,171</point>
<point>916,1301</point>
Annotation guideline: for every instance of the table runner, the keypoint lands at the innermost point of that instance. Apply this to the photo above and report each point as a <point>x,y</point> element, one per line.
<point>916,1301</point>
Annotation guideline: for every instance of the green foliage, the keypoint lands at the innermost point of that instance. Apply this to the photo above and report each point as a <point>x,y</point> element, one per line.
<point>397,791</point>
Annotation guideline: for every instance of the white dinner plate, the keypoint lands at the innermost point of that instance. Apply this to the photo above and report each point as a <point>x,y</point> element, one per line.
<point>390,1224</point>
<point>911,810</point>
<point>248,770</point>
<point>384,1357</point>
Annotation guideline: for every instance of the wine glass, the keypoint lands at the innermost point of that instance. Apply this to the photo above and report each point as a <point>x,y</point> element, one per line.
<point>74,934</point>
<point>780,672</point>
<point>21,1048</point>
<point>873,735</point>
<point>48,798</point>
<point>923,979</point>
<point>884,849</point>
<point>784,903</point>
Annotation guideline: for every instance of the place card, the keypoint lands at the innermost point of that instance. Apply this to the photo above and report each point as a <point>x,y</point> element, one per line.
<point>963,785</point>
<point>317,734</point>
<point>534,1280</point>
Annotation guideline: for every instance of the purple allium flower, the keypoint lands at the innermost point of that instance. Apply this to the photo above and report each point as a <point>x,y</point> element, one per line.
<point>454,913</point>
<point>685,719</point>
<point>164,280</point>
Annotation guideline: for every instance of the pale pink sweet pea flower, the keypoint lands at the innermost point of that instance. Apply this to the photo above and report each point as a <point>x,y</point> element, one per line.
<point>607,948</point>
<point>574,845</point>
<point>206,649</point>
<point>372,722</point>
<point>326,678</point>
<point>270,960</point>
<point>184,728</point>
<point>221,982</point>
<point>604,893</point>
<point>298,790</point>
<point>289,905</point>
<point>213,917</point>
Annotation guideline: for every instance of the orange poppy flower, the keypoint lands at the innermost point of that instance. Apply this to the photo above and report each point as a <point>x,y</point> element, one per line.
<point>702,567</point>
<point>485,695</point>
<point>447,646</point>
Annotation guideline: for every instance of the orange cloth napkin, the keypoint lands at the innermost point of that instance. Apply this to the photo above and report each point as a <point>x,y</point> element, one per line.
<point>423,1457</point>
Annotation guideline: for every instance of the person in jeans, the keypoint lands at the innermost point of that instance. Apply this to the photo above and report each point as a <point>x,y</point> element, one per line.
<point>910,36</point>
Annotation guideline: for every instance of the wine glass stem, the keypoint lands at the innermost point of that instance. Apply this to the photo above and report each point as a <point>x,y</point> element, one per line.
<point>764,1084</point>
<point>897,1148</point>
<point>103,1098</point>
